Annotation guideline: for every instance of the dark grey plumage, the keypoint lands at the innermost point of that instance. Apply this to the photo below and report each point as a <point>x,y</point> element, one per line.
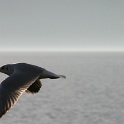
<point>35,87</point>
<point>22,78</point>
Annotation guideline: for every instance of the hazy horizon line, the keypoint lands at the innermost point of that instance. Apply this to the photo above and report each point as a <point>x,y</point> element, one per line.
<point>29,50</point>
<point>62,49</point>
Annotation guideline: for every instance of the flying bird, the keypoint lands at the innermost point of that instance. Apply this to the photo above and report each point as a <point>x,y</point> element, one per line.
<point>22,78</point>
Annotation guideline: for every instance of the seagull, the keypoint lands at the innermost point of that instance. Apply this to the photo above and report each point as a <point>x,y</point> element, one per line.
<point>22,78</point>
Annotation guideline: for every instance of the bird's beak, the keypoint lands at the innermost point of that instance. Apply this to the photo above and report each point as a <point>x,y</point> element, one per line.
<point>0,69</point>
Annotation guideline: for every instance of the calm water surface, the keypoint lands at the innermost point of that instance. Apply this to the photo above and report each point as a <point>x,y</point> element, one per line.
<point>93,92</point>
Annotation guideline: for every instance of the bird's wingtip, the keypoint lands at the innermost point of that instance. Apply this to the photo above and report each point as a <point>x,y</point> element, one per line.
<point>62,76</point>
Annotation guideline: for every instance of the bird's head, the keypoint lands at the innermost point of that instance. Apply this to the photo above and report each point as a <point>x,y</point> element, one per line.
<point>7,69</point>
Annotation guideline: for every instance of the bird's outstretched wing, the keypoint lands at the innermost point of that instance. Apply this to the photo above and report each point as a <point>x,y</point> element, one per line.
<point>35,87</point>
<point>13,87</point>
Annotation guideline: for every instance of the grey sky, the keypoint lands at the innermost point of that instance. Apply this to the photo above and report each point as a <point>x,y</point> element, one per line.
<point>62,24</point>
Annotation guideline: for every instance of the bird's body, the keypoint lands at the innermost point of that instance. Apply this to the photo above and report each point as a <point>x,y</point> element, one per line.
<point>22,78</point>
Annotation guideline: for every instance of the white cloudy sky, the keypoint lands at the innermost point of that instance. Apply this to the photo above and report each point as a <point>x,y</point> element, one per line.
<point>61,24</point>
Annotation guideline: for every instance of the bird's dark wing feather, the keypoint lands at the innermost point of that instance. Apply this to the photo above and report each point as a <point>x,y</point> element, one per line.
<point>35,87</point>
<point>12,88</point>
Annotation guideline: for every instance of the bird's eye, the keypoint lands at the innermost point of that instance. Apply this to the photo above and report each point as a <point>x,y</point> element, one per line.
<point>3,67</point>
